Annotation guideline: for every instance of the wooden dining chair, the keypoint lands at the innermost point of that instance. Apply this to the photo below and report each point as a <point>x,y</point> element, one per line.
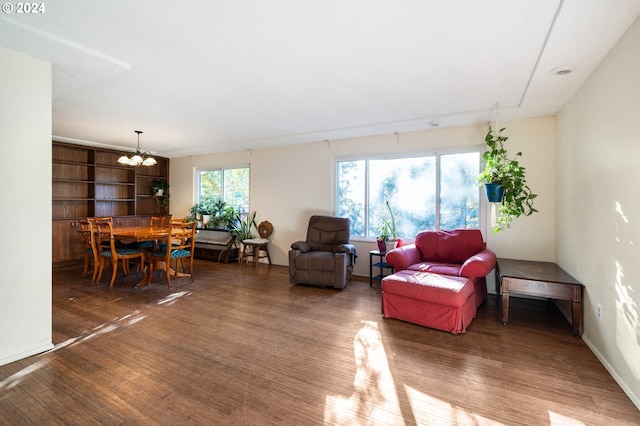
<point>179,246</point>
<point>85,231</point>
<point>93,243</point>
<point>103,233</point>
<point>157,221</point>
<point>154,222</point>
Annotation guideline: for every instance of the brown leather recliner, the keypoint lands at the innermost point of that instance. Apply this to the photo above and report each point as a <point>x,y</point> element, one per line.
<point>326,258</point>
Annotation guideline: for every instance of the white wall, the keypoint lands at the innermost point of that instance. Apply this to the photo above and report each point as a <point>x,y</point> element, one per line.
<point>25,281</point>
<point>598,206</point>
<point>290,183</point>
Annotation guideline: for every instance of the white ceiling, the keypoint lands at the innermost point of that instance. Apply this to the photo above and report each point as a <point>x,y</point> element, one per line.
<point>213,75</point>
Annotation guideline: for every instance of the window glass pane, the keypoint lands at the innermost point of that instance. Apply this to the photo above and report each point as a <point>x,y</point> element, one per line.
<point>409,186</point>
<point>350,194</point>
<point>459,190</point>
<point>236,188</point>
<point>229,185</point>
<point>210,184</point>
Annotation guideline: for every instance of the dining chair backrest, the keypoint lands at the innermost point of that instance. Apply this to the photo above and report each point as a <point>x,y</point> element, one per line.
<point>185,233</point>
<point>85,231</point>
<point>157,221</point>
<point>103,228</point>
<point>98,229</point>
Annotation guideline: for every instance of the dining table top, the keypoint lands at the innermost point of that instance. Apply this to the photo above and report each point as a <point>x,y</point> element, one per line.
<point>140,233</point>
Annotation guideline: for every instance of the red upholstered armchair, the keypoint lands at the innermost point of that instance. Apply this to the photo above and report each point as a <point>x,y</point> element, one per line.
<point>461,252</point>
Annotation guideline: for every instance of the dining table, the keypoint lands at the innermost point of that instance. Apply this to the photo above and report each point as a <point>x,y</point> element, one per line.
<point>131,234</point>
<point>128,234</point>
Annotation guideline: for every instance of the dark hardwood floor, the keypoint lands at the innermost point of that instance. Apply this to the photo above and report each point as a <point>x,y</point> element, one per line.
<point>243,346</point>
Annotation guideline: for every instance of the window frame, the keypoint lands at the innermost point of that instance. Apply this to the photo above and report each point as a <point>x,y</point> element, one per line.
<point>437,153</point>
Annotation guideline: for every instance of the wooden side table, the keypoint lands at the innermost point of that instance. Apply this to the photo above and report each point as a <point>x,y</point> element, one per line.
<point>543,279</point>
<point>380,264</point>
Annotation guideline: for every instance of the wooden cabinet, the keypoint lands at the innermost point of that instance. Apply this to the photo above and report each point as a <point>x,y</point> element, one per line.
<point>66,241</point>
<point>87,182</point>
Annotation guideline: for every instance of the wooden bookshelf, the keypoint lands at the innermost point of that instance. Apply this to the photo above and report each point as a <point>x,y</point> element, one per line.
<point>89,181</point>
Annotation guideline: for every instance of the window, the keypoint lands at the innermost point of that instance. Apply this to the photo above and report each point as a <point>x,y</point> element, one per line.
<point>230,185</point>
<point>437,191</point>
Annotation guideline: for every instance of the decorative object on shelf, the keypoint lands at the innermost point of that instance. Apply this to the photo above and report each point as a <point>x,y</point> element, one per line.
<point>160,191</point>
<point>139,158</point>
<point>158,187</point>
<point>505,182</point>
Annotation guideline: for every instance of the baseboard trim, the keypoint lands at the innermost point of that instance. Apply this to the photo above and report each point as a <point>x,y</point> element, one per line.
<point>619,380</point>
<point>26,354</point>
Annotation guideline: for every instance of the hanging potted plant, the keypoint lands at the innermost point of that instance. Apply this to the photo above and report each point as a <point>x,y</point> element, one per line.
<point>160,191</point>
<point>159,187</point>
<point>505,182</point>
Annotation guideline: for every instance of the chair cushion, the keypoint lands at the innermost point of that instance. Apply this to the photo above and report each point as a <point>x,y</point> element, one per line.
<point>315,261</point>
<point>141,244</point>
<point>256,241</point>
<point>325,233</point>
<point>449,246</point>
<point>437,268</point>
<point>441,289</point>
<point>174,254</point>
<point>122,251</point>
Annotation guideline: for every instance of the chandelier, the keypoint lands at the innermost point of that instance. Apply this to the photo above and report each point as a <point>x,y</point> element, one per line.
<point>139,158</point>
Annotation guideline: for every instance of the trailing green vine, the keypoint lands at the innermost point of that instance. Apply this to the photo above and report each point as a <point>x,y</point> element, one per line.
<point>499,168</point>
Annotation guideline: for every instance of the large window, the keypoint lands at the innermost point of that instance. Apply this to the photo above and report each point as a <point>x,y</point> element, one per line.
<point>437,191</point>
<point>230,185</point>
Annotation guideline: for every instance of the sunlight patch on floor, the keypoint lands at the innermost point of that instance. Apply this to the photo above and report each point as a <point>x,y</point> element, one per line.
<point>101,329</point>
<point>18,377</point>
<point>125,321</point>
<point>429,410</point>
<point>170,299</point>
<point>374,400</point>
<point>556,419</point>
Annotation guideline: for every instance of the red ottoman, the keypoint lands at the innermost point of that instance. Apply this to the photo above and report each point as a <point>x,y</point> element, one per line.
<point>442,302</point>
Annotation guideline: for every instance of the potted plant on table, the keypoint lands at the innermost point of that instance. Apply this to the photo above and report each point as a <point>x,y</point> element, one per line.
<point>198,211</point>
<point>388,232</point>
<point>505,182</point>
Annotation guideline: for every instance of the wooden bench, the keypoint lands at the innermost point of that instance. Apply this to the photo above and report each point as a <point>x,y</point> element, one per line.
<point>215,244</point>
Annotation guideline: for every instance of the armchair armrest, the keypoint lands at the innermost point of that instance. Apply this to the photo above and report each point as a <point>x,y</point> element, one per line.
<point>403,257</point>
<point>303,246</point>
<point>478,265</point>
<point>349,249</point>
<point>346,248</point>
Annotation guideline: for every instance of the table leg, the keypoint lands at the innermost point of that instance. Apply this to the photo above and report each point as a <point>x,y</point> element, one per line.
<point>505,306</point>
<point>146,277</point>
<point>370,270</point>
<point>576,310</point>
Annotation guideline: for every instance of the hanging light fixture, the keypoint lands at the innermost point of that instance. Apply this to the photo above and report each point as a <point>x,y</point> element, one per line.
<point>139,158</point>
